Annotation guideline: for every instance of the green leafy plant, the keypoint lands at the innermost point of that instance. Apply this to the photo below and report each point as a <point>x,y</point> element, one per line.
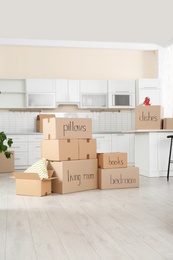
<point>5,143</point>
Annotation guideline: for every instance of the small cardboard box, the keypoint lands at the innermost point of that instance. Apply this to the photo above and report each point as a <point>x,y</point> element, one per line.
<point>74,176</point>
<point>31,185</point>
<point>6,165</point>
<point>168,123</point>
<point>67,128</point>
<point>148,117</point>
<point>39,121</point>
<point>60,149</point>
<point>112,160</point>
<point>118,178</point>
<point>87,149</point>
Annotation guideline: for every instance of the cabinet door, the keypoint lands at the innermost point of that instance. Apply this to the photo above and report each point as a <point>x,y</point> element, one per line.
<point>41,100</point>
<point>40,85</point>
<point>120,143</point>
<point>132,149</point>
<point>148,83</point>
<point>73,89</point>
<point>62,94</point>
<point>103,143</point>
<point>121,86</point>
<point>12,93</point>
<point>93,86</point>
<point>20,150</point>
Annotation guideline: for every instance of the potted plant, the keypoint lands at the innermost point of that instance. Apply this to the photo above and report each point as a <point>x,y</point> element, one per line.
<point>5,143</point>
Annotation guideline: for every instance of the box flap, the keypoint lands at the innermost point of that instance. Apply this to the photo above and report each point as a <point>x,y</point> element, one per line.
<point>26,175</point>
<point>41,116</point>
<point>50,173</point>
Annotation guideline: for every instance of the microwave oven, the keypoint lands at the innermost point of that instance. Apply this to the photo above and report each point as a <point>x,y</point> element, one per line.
<point>121,100</point>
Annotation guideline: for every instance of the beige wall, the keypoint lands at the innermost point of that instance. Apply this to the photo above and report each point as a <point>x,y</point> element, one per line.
<point>76,63</point>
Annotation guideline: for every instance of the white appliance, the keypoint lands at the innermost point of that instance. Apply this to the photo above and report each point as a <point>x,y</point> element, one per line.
<point>121,94</point>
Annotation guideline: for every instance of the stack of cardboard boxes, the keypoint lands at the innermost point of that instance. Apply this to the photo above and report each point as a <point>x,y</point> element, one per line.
<point>71,152</point>
<point>113,172</point>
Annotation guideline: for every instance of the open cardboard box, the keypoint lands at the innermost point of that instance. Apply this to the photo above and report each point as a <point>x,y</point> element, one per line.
<point>6,165</point>
<point>31,184</point>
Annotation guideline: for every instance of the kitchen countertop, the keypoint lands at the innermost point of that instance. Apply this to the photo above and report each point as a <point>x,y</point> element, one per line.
<point>149,131</point>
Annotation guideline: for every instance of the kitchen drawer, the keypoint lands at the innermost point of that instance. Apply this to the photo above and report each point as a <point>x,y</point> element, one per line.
<point>35,138</point>
<point>20,159</point>
<point>18,138</point>
<point>19,147</point>
<point>32,147</point>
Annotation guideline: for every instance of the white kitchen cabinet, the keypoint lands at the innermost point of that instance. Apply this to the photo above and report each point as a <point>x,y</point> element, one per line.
<point>34,148</point>
<point>20,148</point>
<point>121,86</point>
<point>93,86</point>
<point>152,153</point>
<point>40,85</point>
<point>40,100</point>
<point>67,91</point>
<point>12,93</point>
<point>40,93</point>
<point>103,143</point>
<point>148,88</point>
<point>93,94</point>
<point>122,142</point>
<point>27,149</point>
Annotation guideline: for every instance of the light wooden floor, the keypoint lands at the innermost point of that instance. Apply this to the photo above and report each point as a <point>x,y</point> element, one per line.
<point>109,225</point>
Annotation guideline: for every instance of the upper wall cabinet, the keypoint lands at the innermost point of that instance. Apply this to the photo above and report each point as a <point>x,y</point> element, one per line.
<point>93,94</point>
<point>40,93</point>
<point>12,93</point>
<point>148,88</point>
<point>67,91</point>
<point>121,94</point>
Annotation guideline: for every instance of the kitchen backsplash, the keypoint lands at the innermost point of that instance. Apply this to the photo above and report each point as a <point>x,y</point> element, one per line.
<point>16,122</point>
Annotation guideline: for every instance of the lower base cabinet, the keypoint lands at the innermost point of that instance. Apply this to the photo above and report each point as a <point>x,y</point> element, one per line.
<point>152,153</point>
<point>120,142</point>
<point>26,150</point>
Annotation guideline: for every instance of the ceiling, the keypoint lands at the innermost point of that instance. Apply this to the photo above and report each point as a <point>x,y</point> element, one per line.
<point>123,21</point>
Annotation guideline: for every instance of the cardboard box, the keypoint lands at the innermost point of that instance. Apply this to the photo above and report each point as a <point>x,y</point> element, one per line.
<point>148,117</point>
<point>74,176</point>
<point>39,121</point>
<point>118,178</point>
<point>59,150</point>
<point>168,123</point>
<point>31,185</point>
<point>67,128</point>
<point>112,160</point>
<point>87,149</point>
<point>6,165</point>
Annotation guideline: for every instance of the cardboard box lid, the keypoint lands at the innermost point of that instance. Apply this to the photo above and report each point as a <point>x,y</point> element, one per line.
<point>32,176</point>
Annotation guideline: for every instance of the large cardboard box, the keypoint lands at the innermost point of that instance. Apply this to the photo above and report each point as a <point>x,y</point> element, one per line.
<point>60,149</point>
<point>39,121</point>
<point>31,185</point>
<point>74,176</point>
<point>148,117</point>
<point>168,123</point>
<point>112,160</point>
<point>6,165</point>
<point>118,178</point>
<point>87,149</point>
<point>67,128</point>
